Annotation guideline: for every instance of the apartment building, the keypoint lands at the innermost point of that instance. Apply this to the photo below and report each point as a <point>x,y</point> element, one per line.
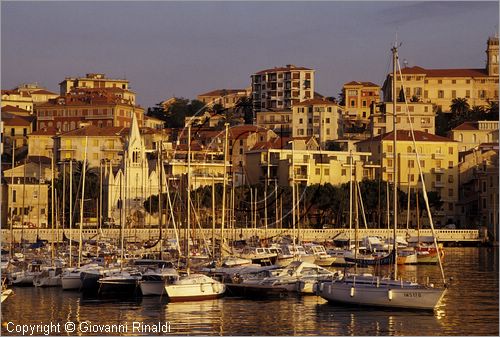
<point>319,118</point>
<point>80,107</point>
<point>281,87</point>
<point>15,131</point>
<point>471,134</point>
<point>96,81</point>
<point>26,194</point>
<point>438,158</point>
<point>308,167</point>
<point>441,86</point>
<point>359,97</point>
<point>422,117</point>
<point>479,187</point>
<point>280,121</point>
<point>41,142</point>
<point>227,98</point>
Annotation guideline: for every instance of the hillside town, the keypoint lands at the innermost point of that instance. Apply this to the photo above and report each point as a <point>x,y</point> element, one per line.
<point>281,130</point>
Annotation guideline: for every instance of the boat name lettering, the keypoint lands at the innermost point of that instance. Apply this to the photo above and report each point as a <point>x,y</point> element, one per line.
<point>413,294</point>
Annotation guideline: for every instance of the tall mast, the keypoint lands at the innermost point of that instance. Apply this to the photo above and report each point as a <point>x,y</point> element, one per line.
<point>350,200</point>
<point>188,197</point>
<point>160,203</point>
<point>394,158</point>
<point>226,125</point>
<point>293,196</point>
<point>81,204</point>
<point>70,212</point>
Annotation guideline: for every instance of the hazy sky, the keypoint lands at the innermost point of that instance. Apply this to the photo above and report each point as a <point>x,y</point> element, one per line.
<point>187,48</point>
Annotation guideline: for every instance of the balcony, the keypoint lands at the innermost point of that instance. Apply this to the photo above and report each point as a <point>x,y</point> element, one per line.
<point>439,184</point>
<point>388,155</point>
<point>438,170</point>
<point>438,156</point>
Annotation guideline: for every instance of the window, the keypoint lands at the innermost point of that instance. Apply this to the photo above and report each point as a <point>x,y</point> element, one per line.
<point>14,196</point>
<point>389,162</point>
<point>467,93</point>
<point>328,120</point>
<point>352,103</point>
<point>318,171</point>
<point>450,192</point>
<point>422,163</point>
<point>440,81</point>
<point>453,94</point>
<point>450,164</point>
<point>344,172</point>
<point>453,81</point>
<point>301,121</point>
<point>327,172</point>
<point>389,177</point>
<point>364,104</point>
<point>440,94</point>
<point>389,148</point>
<point>12,131</point>
<point>450,150</point>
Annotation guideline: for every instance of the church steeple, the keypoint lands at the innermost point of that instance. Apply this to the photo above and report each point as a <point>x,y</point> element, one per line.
<point>135,148</point>
<point>492,56</point>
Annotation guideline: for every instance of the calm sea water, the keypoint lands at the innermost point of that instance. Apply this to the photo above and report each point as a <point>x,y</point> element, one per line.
<point>470,307</point>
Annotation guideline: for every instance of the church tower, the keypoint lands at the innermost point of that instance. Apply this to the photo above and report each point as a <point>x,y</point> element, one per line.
<point>492,54</point>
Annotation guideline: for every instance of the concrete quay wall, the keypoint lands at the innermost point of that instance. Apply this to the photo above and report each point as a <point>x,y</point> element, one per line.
<point>138,235</point>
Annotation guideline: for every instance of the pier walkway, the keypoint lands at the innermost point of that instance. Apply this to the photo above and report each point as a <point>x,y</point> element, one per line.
<point>138,235</point>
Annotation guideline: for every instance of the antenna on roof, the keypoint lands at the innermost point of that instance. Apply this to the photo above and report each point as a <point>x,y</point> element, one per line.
<point>405,62</point>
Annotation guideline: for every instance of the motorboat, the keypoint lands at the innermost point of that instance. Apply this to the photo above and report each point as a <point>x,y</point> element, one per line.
<point>322,258</point>
<point>153,282</point>
<point>121,283</point>
<point>194,287</point>
<point>49,277</point>
<point>25,277</point>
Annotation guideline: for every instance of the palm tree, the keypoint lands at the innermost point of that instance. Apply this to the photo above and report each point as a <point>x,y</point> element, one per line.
<point>476,113</point>
<point>244,106</point>
<point>459,106</point>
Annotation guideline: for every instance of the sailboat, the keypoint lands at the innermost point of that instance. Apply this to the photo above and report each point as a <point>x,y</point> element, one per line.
<point>386,292</point>
<point>193,287</point>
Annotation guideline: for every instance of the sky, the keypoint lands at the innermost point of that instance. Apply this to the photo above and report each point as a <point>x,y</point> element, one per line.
<point>184,49</point>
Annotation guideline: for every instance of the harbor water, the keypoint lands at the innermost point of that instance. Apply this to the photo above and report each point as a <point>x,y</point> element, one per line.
<point>470,307</point>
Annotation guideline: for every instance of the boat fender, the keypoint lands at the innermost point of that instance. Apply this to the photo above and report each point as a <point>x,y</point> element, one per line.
<point>389,294</point>
<point>352,291</point>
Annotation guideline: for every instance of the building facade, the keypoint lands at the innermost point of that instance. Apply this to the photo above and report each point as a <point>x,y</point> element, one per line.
<point>319,118</point>
<point>359,97</point>
<point>281,87</point>
<point>441,86</point>
<point>422,117</point>
<point>470,134</point>
<point>227,98</point>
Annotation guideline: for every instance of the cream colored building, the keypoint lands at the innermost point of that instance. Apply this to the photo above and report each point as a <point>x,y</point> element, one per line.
<point>280,121</point>
<point>26,96</point>
<point>479,188</point>
<point>319,118</point>
<point>471,134</point>
<point>100,144</point>
<point>310,166</point>
<point>438,160</point>
<point>422,118</point>
<point>281,87</point>
<point>27,194</point>
<point>359,97</point>
<point>41,142</point>
<point>227,98</point>
<point>15,131</point>
<point>441,86</point>
<point>97,81</point>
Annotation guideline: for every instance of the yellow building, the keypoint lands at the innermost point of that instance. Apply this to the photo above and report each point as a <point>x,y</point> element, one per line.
<point>422,118</point>
<point>438,160</point>
<point>471,134</point>
<point>26,96</point>
<point>441,86</point>
<point>359,97</point>
<point>319,118</point>
<point>15,131</point>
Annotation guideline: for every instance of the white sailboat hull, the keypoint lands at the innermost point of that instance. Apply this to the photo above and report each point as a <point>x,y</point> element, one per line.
<point>383,296</point>
<point>48,281</point>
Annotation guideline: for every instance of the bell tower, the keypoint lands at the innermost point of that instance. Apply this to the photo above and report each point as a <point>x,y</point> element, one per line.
<point>492,54</point>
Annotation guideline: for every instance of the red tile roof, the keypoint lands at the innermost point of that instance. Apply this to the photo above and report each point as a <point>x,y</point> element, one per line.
<point>95,131</point>
<point>287,68</point>
<point>43,92</point>
<point>48,131</point>
<point>365,84</point>
<point>467,126</point>
<point>223,92</point>
<point>315,101</point>
<point>445,72</point>
<point>275,143</point>
<point>15,120</point>
<point>405,135</point>
<point>10,108</point>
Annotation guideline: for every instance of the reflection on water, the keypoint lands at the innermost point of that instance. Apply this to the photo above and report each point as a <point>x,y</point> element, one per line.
<point>470,307</point>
